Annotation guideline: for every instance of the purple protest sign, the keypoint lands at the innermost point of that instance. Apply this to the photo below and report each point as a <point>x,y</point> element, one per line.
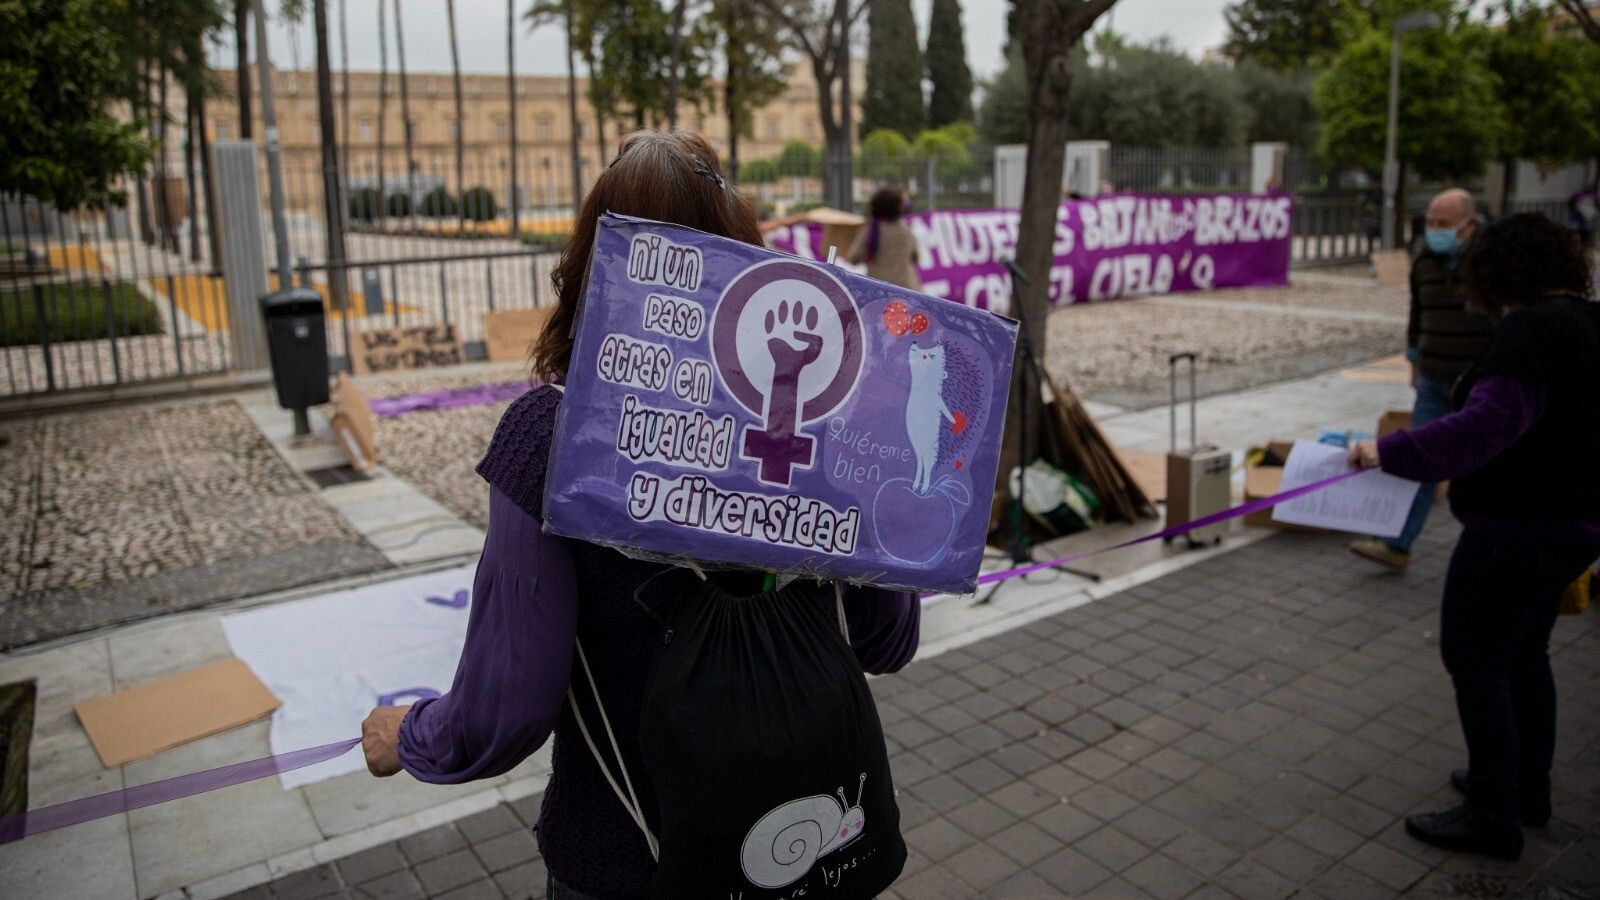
<point>1118,246</point>
<point>729,404</point>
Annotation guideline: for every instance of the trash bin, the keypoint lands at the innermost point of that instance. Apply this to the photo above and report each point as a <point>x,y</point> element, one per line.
<point>297,344</point>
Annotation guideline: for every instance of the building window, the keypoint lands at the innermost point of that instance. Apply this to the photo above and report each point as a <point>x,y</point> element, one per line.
<point>499,129</point>
<point>411,129</point>
<point>772,129</point>
<point>316,131</point>
<point>224,131</point>
<point>455,129</point>
<point>542,128</point>
<point>366,130</point>
<point>583,129</point>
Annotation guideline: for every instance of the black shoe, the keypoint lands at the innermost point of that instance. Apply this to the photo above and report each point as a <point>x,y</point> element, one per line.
<point>1458,829</point>
<point>1535,811</point>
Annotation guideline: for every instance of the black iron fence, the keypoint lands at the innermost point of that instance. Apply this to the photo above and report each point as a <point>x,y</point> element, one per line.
<point>94,298</point>
<point>1336,229</point>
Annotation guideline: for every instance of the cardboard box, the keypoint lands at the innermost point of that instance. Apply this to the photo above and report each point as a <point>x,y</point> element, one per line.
<point>159,715</point>
<point>1264,480</point>
<point>507,335</point>
<point>1393,420</point>
<point>351,420</point>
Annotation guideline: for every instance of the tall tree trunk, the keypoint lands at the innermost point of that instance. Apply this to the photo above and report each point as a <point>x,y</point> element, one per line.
<point>383,115</point>
<point>730,107</point>
<point>208,185</point>
<point>189,150</point>
<point>461,124</point>
<point>241,69</point>
<point>344,106</point>
<point>1049,30</point>
<point>333,210</point>
<point>141,104</point>
<point>572,116</point>
<point>847,105</point>
<point>405,114</point>
<point>675,62</point>
<point>511,112</point>
<point>164,214</point>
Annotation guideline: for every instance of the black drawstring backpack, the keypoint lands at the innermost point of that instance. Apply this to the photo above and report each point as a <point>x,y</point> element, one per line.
<point>764,747</point>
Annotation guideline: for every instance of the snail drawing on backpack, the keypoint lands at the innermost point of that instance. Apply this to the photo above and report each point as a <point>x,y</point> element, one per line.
<point>785,843</point>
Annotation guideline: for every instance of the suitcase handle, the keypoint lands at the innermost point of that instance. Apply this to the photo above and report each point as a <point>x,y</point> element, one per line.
<point>1172,393</point>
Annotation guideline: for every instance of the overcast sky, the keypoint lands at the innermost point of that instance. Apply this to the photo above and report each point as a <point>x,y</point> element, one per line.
<point>1193,25</point>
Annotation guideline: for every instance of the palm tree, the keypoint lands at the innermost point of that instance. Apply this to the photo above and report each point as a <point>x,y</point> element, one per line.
<point>405,115</point>
<point>333,224</point>
<point>461,125</point>
<point>544,12</point>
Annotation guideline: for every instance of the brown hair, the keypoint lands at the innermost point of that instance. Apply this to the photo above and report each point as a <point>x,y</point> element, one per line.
<point>670,177</point>
<point>887,204</point>
<point>1522,260</point>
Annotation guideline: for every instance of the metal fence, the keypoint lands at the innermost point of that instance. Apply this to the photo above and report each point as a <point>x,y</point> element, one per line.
<point>1178,170</point>
<point>1331,230</point>
<point>94,298</point>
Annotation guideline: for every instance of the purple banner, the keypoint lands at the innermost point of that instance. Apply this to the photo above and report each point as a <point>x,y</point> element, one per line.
<point>729,404</point>
<point>1126,245</point>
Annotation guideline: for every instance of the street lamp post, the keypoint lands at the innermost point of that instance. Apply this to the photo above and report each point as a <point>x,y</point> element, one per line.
<point>1391,160</point>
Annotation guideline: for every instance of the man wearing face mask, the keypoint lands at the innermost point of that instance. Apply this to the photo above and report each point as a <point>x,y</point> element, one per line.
<point>1443,339</point>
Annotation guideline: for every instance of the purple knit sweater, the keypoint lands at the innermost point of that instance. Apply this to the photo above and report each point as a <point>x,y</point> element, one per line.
<point>532,596</point>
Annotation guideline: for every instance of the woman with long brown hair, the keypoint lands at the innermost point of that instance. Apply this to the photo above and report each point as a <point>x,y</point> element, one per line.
<point>535,595</point>
<point>887,246</point>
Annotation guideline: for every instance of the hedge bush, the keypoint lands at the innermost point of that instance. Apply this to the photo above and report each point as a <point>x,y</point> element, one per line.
<point>478,204</point>
<point>438,202</point>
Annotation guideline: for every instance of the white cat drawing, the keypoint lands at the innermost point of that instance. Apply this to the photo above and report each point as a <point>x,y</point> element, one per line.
<point>925,408</point>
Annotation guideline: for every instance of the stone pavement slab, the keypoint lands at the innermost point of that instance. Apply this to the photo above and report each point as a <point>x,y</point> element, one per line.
<point>1254,725</point>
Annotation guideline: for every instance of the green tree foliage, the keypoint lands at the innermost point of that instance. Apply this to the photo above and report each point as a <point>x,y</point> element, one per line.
<point>1153,95</point>
<point>950,99</point>
<point>950,149</point>
<point>893,96</point>
<point>759,171</point>
<point>438,202</point>
<point>752,65</point>
<point>1003,116</point>
<point>1449,113</point>
<point>62,66</point>
<point>1279,103</point>
<point>799,159</point>
<point>884,156</point>
<point>478,204</point>
<point>1547,87</point>
<point>363,204</point>
<point>1286,35</point>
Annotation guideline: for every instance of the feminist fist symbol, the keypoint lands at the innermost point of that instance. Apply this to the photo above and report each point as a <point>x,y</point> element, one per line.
<point>778,446</point>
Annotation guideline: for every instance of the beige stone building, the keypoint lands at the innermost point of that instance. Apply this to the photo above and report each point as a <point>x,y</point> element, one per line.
<point>544,153</point>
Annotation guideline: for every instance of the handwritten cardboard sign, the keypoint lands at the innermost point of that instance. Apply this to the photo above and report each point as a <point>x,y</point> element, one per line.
<point>350,416</point>
<point>729,404</point>
<point>507,334</point>
<point>407,347</point>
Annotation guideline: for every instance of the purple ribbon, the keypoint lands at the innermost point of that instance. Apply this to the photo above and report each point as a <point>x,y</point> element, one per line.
<point>450,398</point>
<point>75,812</point>
<point>1244,509</point>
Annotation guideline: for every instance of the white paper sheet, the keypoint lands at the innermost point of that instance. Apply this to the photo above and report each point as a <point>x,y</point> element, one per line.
<point>331,658</point>
<point>1373,502</point>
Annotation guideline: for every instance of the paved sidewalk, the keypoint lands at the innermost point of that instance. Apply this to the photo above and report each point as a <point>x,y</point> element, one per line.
<point>1256,725</point>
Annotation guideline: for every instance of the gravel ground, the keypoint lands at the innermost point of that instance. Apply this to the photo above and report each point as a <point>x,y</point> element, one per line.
<point>120,514</point>
<point>1117,352</point>
<point>437,450</point>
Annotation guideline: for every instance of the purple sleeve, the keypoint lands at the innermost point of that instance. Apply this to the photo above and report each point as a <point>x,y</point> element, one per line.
<point>1498,412</point>
<point>885,627</point>
<point>512,677</point>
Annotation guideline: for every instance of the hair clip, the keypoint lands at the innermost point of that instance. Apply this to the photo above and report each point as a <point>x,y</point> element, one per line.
<point>707,172</point>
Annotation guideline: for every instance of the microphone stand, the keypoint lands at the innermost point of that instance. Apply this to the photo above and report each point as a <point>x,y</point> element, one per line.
<point>1019,547</point>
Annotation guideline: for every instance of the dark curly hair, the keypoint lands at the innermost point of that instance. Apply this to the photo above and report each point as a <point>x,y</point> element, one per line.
<point>1523,259</point>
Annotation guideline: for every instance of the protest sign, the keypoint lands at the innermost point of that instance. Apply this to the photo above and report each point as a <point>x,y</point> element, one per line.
<point>1125,245</point>
<point>733,405</point>
<point>509,333</point>
<point>408,347</point>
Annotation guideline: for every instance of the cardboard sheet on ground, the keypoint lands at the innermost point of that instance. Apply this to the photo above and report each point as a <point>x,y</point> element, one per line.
<point>1374,502</point>
<point>168,712</point>
<point>331,658</point>
<point>729,404</point>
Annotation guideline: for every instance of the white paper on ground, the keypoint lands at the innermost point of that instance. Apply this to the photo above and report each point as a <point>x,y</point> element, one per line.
<point>1374,503</point>
<point>330,658</point>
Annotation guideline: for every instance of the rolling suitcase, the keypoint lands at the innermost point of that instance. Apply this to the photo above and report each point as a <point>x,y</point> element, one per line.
<point>1199,480</point>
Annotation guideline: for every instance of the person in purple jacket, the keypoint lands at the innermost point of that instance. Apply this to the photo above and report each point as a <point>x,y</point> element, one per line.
<point>535,595</point>
<point>1520,454</point>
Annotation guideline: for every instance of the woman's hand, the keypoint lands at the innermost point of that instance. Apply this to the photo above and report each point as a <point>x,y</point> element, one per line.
<point>380,739</point>
<point>1364,455</point>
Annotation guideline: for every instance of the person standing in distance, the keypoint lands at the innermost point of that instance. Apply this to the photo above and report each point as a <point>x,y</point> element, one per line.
<point>1444,337</point>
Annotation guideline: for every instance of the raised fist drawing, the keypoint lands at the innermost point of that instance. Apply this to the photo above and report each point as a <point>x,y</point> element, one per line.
<point>785,325</point>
